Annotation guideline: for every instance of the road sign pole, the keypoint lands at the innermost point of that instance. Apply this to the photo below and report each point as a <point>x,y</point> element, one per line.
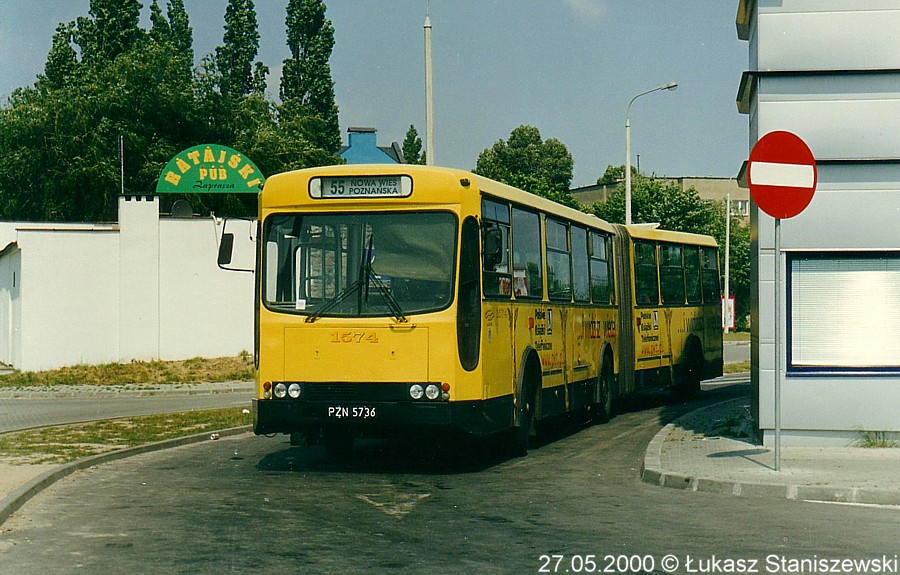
<point>782,177</point>
<point>778,338</point>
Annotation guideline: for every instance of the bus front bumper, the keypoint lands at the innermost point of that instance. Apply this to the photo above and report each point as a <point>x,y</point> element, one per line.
<point>380,418</point>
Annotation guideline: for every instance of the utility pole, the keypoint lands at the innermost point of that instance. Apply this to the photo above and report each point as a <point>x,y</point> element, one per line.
<point>727,300</point>
<point>429,96</point>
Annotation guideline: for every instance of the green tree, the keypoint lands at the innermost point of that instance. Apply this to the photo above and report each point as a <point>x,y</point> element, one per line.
<point>412,147</point>
<point>62,61</point>
<point>615,175</point>
<point>739,270</point>
<point>655,200</point>
<point>234,58</point>
<point>112,29</point>
<point>174,28</point>
<point>307,90</point>
<point>105,79</point>
<point>526,161</point>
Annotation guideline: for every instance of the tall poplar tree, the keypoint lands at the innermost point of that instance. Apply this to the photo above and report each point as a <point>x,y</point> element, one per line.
<point>174,27</point>
<point>111,30</point>
<point>62,61</point>
<point>234,59</point>
<point>307,90</point>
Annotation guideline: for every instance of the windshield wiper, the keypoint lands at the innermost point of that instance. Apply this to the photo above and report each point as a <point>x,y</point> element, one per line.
<point>387,296</point>
<point>366,274</point>
<point>382,289</point>
<point>355,287</point>
<point>333,302</point>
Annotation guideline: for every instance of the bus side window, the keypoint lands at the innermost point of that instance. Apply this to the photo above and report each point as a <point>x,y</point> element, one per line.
<point>692,274</point>
<point>646,282</point>
<point>580,267</point>
<point>495,249</point>
<point>528,269</point>
<point>711,293</point>
<point>559,261</point>
<point>601,266</point>
<point>671,274</point>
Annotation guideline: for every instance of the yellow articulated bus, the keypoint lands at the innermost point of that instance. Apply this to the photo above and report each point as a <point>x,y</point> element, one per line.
<point>399,298</point>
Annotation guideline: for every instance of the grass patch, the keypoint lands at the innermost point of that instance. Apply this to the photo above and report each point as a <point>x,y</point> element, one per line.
<point>197,370</point>
<point>65,443</point>
<point>736,336</point>
<point>740,367</point>
<point>876,440</point>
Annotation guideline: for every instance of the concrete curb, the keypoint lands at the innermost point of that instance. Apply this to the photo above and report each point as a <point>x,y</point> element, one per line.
<point>653,473</point>
<point>15,500</point>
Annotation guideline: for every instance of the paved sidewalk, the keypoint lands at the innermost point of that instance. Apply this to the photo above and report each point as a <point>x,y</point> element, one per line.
<point>710,450</point>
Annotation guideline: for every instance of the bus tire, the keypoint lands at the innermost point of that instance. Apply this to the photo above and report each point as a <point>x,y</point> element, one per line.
<point>605,397</point>
<point>526,401</point>
<point>691,372</point>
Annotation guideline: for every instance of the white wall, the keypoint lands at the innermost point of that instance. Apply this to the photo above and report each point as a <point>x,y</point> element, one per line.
<point>204,311</point>
<point>70,298</point>
<point>148,288</point>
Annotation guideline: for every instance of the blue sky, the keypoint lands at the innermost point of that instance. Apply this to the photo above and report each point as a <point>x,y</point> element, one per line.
<point>568,67</point>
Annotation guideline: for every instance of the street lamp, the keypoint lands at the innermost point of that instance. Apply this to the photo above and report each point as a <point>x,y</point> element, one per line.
<point>669,86</point>
<point>429,94</point>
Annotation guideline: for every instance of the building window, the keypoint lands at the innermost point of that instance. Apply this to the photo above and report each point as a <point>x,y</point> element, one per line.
<point>843,313</point>
<point>740,208</point>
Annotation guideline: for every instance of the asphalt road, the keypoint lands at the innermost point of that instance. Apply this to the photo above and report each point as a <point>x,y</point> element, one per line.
<point>736,351</point>
<point>25,413</point>
<point>257,505</point>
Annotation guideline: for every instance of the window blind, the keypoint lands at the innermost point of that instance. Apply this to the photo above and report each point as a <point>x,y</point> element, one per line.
<point>845,311</point>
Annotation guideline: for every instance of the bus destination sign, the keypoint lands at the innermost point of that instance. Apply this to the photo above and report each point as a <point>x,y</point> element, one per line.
<point>361,187</point>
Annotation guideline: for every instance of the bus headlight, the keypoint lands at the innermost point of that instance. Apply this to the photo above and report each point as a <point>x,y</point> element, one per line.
<point>280,390</point>
<point>416,391</point>
<point>294,390</point>
<point>432,392</point>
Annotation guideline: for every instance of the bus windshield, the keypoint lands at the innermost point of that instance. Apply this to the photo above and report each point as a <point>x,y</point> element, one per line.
<point>355,265</point>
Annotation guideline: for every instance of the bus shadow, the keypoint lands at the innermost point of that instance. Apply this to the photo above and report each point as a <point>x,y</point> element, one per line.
<point>717,411</point>
<point>455,456</point>
<point>390,456</point>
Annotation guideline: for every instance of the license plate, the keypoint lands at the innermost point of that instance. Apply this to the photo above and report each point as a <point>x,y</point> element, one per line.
<point>354,412</point>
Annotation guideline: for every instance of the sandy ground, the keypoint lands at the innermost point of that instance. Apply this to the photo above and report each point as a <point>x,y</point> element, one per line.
<point>14,476</point>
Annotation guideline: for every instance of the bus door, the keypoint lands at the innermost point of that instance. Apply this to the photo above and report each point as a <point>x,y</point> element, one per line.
<point>498,333</point>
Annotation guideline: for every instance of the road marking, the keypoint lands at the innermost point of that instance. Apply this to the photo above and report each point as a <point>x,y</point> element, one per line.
<point>397,505</point>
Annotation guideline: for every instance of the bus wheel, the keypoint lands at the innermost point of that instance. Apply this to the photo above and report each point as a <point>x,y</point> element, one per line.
<point>605,400</point>
<point>691,375</point>
<point>338,443</point>
<point>521,434</point>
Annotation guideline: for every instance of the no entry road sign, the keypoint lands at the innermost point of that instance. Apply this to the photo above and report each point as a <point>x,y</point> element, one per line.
<point>782,174</point>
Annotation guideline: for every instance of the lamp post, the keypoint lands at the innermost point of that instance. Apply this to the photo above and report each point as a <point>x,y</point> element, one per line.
<point>669,86</point>
<point>429,95</point>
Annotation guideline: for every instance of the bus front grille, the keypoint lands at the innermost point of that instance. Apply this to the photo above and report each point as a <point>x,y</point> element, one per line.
<point>350,392</point>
